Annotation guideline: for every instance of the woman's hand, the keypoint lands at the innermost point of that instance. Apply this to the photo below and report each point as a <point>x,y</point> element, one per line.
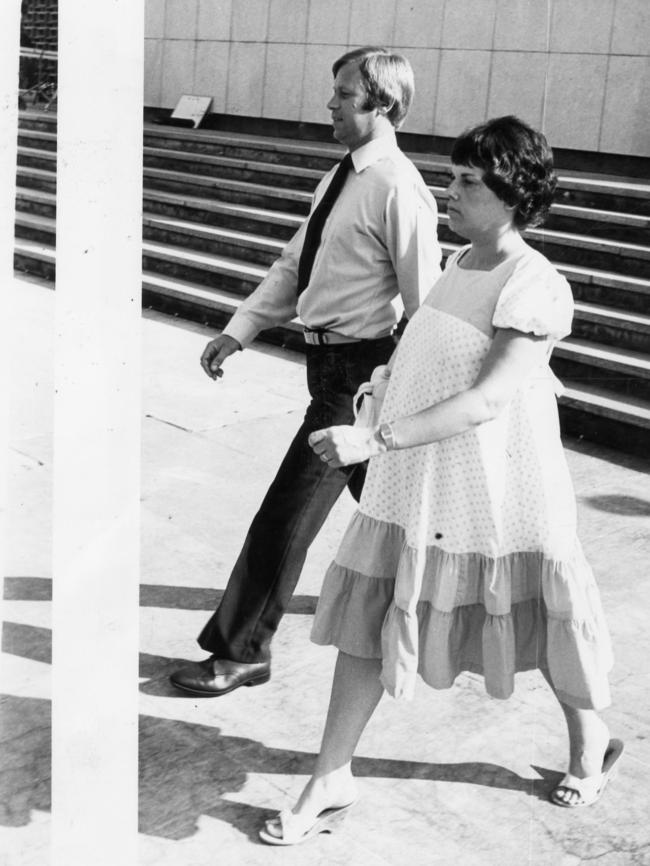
<point>343,446</point>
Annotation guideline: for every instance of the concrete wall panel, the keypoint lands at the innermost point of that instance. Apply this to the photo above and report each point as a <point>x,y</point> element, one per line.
<point>211,73</point>
<point>288,21</point>
<point>425,63</point>
<point>557,63</point>
<point>177,70</point>
<point>250,20</point>
<point>574,105</point>
<point>371,22</point>
<point>522,25</point>
<point>581,27</point>
<point>418,24</point>
<point>283,81</point>
<point>517,85</point>
<point>154,19</point>
<point>631,27</point>
<point>625,118</point>
<point>214,19</point>
<point>468,24</point>
<point>246,78</point>
<point>153,53</point>
<point>317,81</point>
<point>462,91</point>
<point>181,19</point>
<point>329,22</point>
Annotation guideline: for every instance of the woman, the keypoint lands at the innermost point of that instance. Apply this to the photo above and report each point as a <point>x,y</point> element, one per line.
<point>463,555</point>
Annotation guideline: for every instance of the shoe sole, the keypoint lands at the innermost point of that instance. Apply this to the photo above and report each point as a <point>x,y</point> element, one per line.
<point>200,693</point>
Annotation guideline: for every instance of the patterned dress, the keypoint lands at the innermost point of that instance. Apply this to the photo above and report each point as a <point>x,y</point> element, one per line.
<point>463,555</point>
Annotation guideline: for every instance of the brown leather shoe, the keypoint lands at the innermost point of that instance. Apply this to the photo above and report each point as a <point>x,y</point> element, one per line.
<point>214,677</point>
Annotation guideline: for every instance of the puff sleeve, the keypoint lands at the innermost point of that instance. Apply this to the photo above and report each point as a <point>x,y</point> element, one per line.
<point>535,299</point>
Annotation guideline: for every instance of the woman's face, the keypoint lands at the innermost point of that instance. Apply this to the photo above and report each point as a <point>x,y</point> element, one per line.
<point>474,210</point>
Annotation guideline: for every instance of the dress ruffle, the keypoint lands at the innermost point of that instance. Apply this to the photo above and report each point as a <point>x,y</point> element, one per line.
<point>438,613</point>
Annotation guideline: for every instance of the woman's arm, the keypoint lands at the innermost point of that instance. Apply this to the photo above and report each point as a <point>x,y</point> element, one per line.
<point>510,360</point>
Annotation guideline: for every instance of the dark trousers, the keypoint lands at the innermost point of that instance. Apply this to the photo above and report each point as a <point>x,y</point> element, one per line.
<point>294,508</point>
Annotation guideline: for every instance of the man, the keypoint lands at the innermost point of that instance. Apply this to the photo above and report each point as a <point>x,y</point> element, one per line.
<point>340,274</point>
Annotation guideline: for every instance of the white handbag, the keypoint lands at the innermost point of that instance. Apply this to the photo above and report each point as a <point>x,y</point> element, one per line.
<point>367,402</point>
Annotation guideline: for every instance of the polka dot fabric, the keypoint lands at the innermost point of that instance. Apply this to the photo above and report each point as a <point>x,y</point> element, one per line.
<point>487,516</point>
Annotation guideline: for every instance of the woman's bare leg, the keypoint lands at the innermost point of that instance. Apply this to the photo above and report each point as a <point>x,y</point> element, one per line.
<point>356,691</point>
<point>588,739</point>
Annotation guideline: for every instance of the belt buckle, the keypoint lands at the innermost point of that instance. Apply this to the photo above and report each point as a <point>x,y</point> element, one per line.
<point>315,338</point>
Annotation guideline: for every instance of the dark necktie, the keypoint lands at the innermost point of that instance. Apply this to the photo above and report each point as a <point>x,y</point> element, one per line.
<point>317,221</point>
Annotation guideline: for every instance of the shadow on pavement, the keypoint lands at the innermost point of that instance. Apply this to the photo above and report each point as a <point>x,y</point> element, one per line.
<point>628,506</point>
<point>201,598</point>
<point>186,769</point>
<point>25,758</point>
<point>27,641</point>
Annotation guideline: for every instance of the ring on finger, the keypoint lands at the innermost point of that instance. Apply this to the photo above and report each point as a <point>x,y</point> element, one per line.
<point>324,458</point>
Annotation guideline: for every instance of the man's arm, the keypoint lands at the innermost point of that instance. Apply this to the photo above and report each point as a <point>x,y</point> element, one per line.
<point>412,242</point>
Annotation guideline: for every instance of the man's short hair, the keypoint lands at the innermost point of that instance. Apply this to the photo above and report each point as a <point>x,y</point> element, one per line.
<point>388,79</point>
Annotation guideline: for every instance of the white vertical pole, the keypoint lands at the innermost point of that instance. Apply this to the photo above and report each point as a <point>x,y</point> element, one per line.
<point>9,53</point>
<point>96,433</point>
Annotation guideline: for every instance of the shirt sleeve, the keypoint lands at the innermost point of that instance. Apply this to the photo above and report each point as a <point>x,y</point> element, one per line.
<point>274,301</point>
<point>412,241</point>
<point>536,299</point>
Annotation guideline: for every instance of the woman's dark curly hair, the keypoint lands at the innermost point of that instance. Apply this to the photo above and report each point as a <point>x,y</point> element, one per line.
<point>518,165</point>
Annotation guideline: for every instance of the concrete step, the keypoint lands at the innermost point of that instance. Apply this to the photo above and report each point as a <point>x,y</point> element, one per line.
<point>287,176</point>
<point>33,257</point>
<point>602,323</point>
<point>261,221</point>
<point>592,252</point>
<point>37,158</point>
<point>231,275</point>
<point>227,189</point>
<point>42,121</point>
<point>624,329</point>
<point>40,139</point>
<point>624,372</point>
<point>599,415</point>
<point>320,156</point>
<point>35,201</point>
<point>36,227</point>
<point>214,240</point>
<point>36,178</point>
<point>601,253</point>
<point>617,225</point>
<point>631,195</point>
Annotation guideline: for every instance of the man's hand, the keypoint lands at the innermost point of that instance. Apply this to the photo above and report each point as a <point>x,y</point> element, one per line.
<point>216,352</point>
<point>342,446</point>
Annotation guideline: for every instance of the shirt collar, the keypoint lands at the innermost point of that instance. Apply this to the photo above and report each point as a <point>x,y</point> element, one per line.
<point>373,151</point>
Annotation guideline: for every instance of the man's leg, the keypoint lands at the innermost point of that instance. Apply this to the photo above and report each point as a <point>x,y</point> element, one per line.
<point>292,513</point>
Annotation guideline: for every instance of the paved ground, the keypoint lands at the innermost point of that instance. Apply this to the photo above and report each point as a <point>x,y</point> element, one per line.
<point>452,778</point>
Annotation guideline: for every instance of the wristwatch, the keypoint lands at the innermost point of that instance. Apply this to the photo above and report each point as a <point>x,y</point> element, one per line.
<point>386,436</point>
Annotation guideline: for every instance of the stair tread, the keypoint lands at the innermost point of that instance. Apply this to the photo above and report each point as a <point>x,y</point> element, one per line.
<point>229,183</point>
<point>224,207</point>
<point>35,248</point>
<point>633,407</point>
<point>582,212</point>
<point>597,311</point>
<point>36,194</point>
<point>216,232</point>
<point>35,220</point>
<point>234,162</point>
<point>598,352</point>
<point>182,254</point>
<point>35,151</point>
<point>185,288</point>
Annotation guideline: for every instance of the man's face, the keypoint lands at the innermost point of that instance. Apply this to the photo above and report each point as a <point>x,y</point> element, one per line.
<point>353,124</point>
